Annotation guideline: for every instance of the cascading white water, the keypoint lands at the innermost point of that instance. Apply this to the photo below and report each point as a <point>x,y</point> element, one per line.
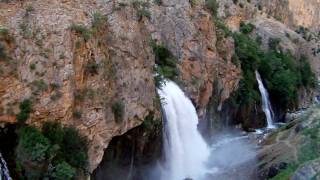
<point>266,105</point>
<point>4,172</point>
<point>186,152</point>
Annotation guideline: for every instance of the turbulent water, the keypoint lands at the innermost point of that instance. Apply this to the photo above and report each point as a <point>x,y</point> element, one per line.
<point>266,105</point>
<point>186,152</point>
<point>4,172</point>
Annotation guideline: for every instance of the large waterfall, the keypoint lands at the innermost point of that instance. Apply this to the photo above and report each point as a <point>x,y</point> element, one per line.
<point>186,152</point>
<point>266,105</point>
<point>4,172</point>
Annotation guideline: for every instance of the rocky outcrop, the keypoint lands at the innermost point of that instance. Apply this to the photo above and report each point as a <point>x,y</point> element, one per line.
<point>309,170</point>
<point>292,151</point>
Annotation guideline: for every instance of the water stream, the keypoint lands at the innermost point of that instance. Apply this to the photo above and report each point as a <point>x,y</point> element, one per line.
<point>266,105</point>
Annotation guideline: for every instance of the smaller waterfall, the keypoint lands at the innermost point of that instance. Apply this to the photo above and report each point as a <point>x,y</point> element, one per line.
<point>266,105</point>
<point>186,152</point>
<point>4,172</point>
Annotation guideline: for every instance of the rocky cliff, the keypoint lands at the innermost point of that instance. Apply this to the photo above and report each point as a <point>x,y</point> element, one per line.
<point>89,64</point>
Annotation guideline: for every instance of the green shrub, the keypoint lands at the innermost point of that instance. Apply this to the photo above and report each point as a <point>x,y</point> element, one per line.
<point>274,43</point>
<point>193,3</point>
<point>158,2</point>
<point>143,12</point>
<point>32,145</point>
<point>74,148</point>
<point>212,6</point>
<point>307,76</point>
<point>25,110</point>
<point>118,110</point>
<point>235,1</point>
<point>63,171</point>
<point>81,30</point>
<point>3,54</point>
<point>92,68</point>
<point>246,28</point>
<point>39,85</point>
<point>166,65</point>
<point>32,66</point>
<point>77,114</point>
<point>54,132</point>
<point>98,21</point>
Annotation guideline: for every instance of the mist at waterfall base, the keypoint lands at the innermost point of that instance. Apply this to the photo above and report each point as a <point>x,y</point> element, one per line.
<point>187,155</point>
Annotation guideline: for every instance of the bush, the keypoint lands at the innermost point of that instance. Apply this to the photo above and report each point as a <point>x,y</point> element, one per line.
<point>118,111</point>
<point>74,148</point>
<point>307,76</point>
<point>32,145</point>
<point>92,68</point>
<point>212,6</point>
<point>63,171</point>
<point>32,67</point>
<point>166,65</point>
<point>143,12</point>
<point>25,110</point>
<point>39,85</point>
<point>81,30</point>
<point>98,21</point>
<point>3,54</point>
<point>54,132</point>
<point>274,43</point>
<point>246,28</point>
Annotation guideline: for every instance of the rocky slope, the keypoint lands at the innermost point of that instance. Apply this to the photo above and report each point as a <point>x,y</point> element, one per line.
<point>292,151</point>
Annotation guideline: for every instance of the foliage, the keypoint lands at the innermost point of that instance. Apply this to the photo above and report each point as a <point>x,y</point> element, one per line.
<point>118,111</point>
<point>53,131</point>
<point>25,110</point>
<point>98,21</point>
<point>74,148</point>
<point>307,76</point>
<point>63,171</point>
<point>3,54</point>
<point>32,145</point>
<point>281,73</point>
<point>166,65</point>
<point>61,147</point>
<point>246,28</point>
<point>142,9</point>
<point>274,43</point>
<point>81,30</point>
<point>92,68</point>
<point>39,85</point>
<point>212,6</point>
<point>32,66</point>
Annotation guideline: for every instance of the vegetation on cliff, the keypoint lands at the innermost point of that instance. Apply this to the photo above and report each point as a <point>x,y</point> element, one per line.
<point>282,73</point>
<point>166,64</point>
<point>55,152</point>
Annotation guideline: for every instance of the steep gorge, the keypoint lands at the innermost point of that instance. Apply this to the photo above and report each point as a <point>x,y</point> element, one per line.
<point>90,65</point>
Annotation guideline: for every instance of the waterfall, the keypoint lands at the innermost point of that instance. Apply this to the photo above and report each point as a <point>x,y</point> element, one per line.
<point>4,172</point>
<point>186,152</point>
<point>266,105</point>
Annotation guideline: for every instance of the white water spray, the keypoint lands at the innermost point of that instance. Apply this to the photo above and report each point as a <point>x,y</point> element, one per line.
<point>266,105</point>
<point>185,150</point>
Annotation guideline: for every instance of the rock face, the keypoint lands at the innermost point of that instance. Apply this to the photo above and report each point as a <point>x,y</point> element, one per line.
<point>292,151</point>
<point>310,170</point>
<point>76,74</point>
<point>295,12</point>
